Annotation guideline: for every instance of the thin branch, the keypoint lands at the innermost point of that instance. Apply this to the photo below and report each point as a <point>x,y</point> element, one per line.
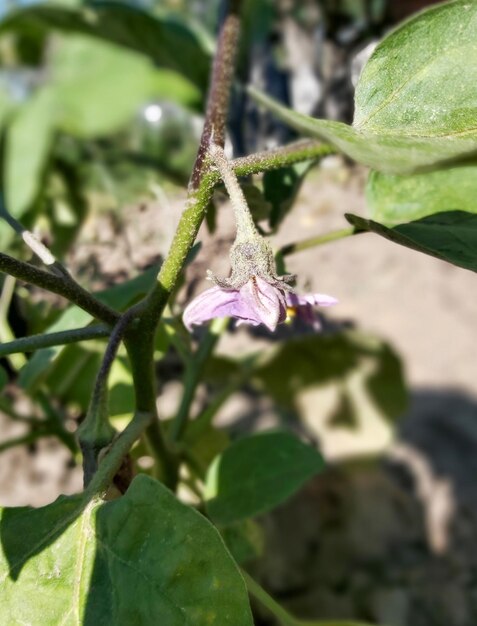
<point>96,431</point>
<point>319,240</point>
<point>23,439</point>
<point>61,285</point>
<point>64,337</point>
<point>283,617</point>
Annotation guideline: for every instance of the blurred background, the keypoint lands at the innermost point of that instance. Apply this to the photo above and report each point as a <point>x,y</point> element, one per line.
<point>100,113</point>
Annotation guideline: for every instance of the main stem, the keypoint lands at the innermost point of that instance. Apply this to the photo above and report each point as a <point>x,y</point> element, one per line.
<point>140,339</point>
<point>202,181</point>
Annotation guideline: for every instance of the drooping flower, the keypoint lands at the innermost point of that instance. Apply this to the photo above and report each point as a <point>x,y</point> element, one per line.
<point>257,302</point>
<point>253,293</point>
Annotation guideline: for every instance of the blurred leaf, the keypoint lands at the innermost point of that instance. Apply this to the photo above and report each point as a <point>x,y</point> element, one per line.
<point>28,143</point>
<point>396,199</point>
<point>323,360</point>
<point>257,473</point>
<point>167,41</point>
<point>38,366</point>
<point>3,378</point>
<point>98,86</point>
<point>124,294</point>
<point>281,187</point>
<point>72,562</point>
<point>244,539</point>
<point>256,201</point>
<point>450,236</point>
<point>205,446</point>
<point>414,105</point>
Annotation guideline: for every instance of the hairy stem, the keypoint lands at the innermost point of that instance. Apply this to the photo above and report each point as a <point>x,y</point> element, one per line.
<point>61,338</point>
<point>303,150</point>
<point>202,182</point>
<point>61,285</point>
<point>245,225</point>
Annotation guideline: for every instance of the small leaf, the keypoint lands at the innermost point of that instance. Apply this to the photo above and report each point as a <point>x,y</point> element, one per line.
<point>450,236</point>
<point>281,187</point>
<point>256,474</point>
<point>76,563</point>
<point>396,199</point>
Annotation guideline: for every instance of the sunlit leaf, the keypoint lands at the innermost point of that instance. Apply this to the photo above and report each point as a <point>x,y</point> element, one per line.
<point>450,236</point>
<point>414,106</point>
<point>395,199</point>
<point>76,563</point>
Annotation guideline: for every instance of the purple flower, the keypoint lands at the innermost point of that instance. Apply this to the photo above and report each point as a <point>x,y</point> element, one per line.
<point>256,302</point>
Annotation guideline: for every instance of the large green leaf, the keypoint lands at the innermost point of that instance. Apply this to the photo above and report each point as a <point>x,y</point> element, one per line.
<point>256,474</point>
<point>450,236</point>
<point>145,559</point>
<point>416,102</point>
<point>395,199</point>
<point>167,41</point>
<point>421,78</point>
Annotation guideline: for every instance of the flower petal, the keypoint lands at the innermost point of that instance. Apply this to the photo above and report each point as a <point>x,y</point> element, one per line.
<point>314,299</point>
<point>265,304</point>
<point>213,302</point>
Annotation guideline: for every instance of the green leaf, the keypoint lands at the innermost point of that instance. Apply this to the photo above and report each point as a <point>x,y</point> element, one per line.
<point>124,294</point>
<point>281,187</point>
<point>37,368</point>
<point>165,40</point>
<point>245,540</point>
<point>256,201</point>
<point>450,236</point>
<point>415,105</point>
<point>98,87</point>
<point>396,199</point>
<point>29,139</point>
<point>3,378</point>
<point>420,80</point>
<point>256,474</point>
<point>77,563</point>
